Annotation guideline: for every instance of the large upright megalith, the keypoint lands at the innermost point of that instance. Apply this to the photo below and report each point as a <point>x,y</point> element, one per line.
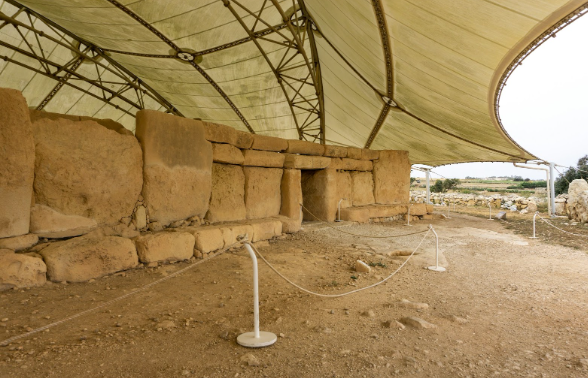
<point>392,177</point>
<point>17,161</point>
<point>177,166</point>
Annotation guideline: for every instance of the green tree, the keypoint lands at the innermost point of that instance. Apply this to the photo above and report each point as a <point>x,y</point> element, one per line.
<point>438,187</point>
<point>580,172</point>
<point>449,184</point>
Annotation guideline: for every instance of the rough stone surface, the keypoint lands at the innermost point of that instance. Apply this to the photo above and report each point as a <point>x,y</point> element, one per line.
<point>344,189</point>
<point>306,162</point>
<point>501,215</point>
<point>291,193</point>
<point>263,196</point>
<point>265,229</point>
<point>367,154</point>
<point>37,115</point>
<point>354,153</point>
<point>177,166</point>
<point>351,164</point>
<point>232,233</point>
<point>578,200</point>
<point>319,190</point>
<point>227,201</point>
<point>140,217</point>
<point>335,151</point>
<point>209,239</point>
<point>418,323</point>
<point>226,153</point>
<point>362,267</point>
<point>215,132</point>
<point>19,270</point>
<point>81,259</point>
<point>290,225</point>
<point>268,143</point>
<point>362,188</point>
<point>48,223</point>
<point>18,243</point>
<point>414,305</point>
<point>17,159</point>
<point>165,246</point>
<point>82,168</point>
<point>263,159</point>
<point>392,177</point>
<point>305,148</point>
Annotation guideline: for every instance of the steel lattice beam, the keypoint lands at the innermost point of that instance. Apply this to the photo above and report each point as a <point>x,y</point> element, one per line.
<point>307,110</point>
<point>114,81</point>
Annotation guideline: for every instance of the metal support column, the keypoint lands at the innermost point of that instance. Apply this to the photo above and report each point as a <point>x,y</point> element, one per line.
<point>552,186</point>
<point>428,181</point>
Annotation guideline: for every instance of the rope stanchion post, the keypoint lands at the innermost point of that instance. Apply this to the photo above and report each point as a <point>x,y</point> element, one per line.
<point>408,216</point>
<point>257,338</point>
<point>436,268</point>
<point>339,210</point>
<point>490,210</point>
<point>534,216</point>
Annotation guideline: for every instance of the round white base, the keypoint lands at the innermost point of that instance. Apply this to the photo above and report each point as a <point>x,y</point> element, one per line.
<point>533,237</point>
<point>248,339</point>
<point>436,268</point>
<point>490,219</point>
<point>410,225</point>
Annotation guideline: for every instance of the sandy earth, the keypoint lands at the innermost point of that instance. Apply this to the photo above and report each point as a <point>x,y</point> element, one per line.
<point>507,306</point>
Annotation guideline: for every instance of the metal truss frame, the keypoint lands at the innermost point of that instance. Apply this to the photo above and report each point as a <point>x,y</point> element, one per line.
<point>307,110</point>
<point>113,80</point>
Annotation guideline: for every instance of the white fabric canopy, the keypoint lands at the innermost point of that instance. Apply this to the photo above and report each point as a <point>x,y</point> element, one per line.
<point>416,75</point>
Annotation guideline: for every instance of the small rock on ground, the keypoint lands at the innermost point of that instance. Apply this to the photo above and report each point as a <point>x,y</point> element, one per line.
<point>417,323</point>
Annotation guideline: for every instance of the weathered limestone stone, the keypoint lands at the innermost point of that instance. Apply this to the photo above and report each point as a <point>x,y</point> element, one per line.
<point>140,217</point>
<point>165,246</point>
<point>268,143</point>
<point>265,229</point>
<point>304,147</point>
<point>291,189</point>
<point>362,214</point>
<point>578,200</point>
<point>417,323</point>
<point>37,115</point>
<point>209,239</point>
<point>17,158</point>
<point>48,223</point>
<point>430,208</point>
<point>367,154</point>
<point>225,153</point>
<point>335,151</point>
<point>392,177</point>
<point>18,243</point>
<point>82,168</point>
<point>177,166</point>
<point>81,259</point>
<point>232,233</point>
<point>263,159</point>
<point>319,190</point>
<point>263,197</point>
<point>362,267</point>
<point>19,270</point>
<point>344,189</point>
<point>227,201</point>
<point>354,153</point>
<point>418,209</point>
<point>215,132</point>
<point>289,225</point>
<point>351,164</point>
<point>306,162</point>
<point>362,188</point>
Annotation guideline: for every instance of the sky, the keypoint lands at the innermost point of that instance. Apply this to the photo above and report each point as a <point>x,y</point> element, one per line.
<point>544,107</point>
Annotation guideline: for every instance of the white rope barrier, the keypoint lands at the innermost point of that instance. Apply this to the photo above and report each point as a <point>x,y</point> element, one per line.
<point>349,292</point>
<point>108,303</point>
<point>554,226</point>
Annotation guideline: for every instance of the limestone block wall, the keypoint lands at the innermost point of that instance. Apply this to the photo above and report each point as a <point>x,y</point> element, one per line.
<point>81,198</point>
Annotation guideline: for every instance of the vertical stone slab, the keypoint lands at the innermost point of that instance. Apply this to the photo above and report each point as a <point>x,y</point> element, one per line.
<point>177,166</point>
<point>227,202</point>
<point>291,193</point>
<point>17,159</point>
<point>362,188</point>
<point>320,194</point>
<point>344,192</point>
<point>392,177</point>
<point>263,196</point>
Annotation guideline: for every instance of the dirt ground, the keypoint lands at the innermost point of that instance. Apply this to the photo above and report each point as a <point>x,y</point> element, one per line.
<point>506,306</point>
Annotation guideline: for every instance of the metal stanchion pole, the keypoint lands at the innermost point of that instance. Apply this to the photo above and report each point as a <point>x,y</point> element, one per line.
<point>534,216</point>
<point>436,268</point>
